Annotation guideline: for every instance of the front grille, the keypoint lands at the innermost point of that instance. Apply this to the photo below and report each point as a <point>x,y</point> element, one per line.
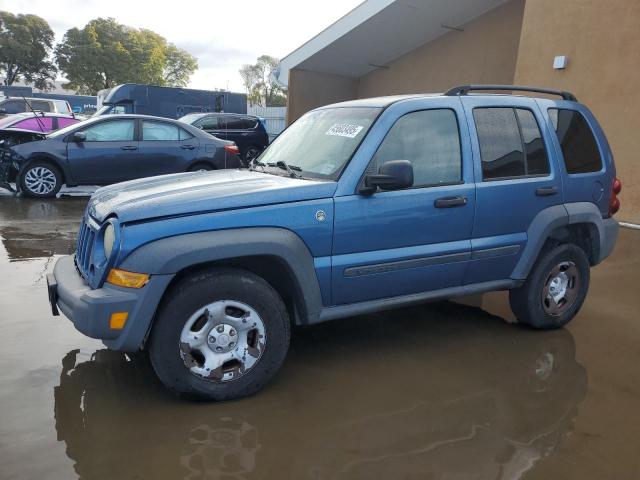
<point>84,247</point>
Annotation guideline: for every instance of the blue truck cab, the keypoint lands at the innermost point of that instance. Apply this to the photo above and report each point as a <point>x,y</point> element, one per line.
<point>357,207</point>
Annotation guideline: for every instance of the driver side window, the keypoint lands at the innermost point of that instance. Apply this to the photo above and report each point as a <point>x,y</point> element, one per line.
<point>111,131</point>
<point>430,140</point>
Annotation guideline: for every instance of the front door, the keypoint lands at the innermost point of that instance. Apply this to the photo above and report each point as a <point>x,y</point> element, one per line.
<point>107,155</point>
<point>515,180</point>
<point>394,243</point>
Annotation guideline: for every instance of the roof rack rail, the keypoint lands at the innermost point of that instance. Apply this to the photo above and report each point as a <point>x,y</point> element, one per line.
<point>465,89</point>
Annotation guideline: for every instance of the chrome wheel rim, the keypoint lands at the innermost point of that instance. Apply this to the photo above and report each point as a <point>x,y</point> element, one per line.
<point>561,288</point>
<point>222,341</point>
<point>40,180</point>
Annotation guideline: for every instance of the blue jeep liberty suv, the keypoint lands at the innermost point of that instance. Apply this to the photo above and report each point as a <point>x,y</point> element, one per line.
<point>357,207</point>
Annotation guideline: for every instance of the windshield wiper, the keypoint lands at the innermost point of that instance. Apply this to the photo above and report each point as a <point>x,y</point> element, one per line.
<point>255,163</point>
<point>291,169</point>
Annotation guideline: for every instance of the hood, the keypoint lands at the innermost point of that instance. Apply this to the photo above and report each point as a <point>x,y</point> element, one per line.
<point>192,193</point>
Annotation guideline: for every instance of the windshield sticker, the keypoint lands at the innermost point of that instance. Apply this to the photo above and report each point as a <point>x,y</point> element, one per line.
<point>345,130</point>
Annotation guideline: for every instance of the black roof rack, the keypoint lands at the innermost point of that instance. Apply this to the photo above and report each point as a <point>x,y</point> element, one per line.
<point>465,89</point>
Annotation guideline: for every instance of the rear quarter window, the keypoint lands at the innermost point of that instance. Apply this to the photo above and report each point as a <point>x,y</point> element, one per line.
<point>577,142</point>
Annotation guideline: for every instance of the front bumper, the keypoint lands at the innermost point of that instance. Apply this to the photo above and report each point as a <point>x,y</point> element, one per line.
<point>90,309</point>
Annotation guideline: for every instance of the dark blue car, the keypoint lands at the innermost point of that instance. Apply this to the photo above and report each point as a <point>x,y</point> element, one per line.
<point>248,132</point>
<point>111,149</point>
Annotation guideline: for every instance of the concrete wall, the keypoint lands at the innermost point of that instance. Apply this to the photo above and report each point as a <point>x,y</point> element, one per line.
<point>308,90</point>
<point>602,41</point>
<point>485,52</point>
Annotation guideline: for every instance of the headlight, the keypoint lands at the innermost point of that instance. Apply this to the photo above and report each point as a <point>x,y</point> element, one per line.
<point>109,240</point>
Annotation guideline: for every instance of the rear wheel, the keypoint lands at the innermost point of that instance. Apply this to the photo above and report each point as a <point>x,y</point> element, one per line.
<point>221,334</point>
<point>41,179</point>
<point>200,167</point>
<point>251,154</point>
<point>555,289</point>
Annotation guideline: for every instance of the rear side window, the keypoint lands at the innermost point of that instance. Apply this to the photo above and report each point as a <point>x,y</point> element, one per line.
<point>430,140</point>
<point>159,131</point>
<point>511,144</point>
<point>248,123</point>
<point>208,123</point>
<point>184,135</point>
<point>40,105</point>
<point>579,146</point>
<point>231,123</point>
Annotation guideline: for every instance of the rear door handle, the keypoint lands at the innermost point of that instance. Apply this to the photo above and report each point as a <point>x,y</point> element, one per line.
<point>546,191</point>
<point>129,147</point>
<point>449,202</point>
<point>187,147</point>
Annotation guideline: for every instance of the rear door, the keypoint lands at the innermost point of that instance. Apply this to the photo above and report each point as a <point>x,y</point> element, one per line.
<point>239,130</point>
<point>516,177</point>
<point>109,154</point>
<point>394,243</point>
<point>211,125</point>
<point>164,148</point>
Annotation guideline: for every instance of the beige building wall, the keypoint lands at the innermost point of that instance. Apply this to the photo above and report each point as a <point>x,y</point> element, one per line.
<point>485,52</point>
<point>309,90</point>
<point>602,41</point>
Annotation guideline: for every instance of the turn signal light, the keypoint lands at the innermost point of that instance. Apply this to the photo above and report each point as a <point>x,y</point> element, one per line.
<point>122,278</point>
<point>118,320</point>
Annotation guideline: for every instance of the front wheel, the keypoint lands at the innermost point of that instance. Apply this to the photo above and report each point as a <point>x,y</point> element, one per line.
<point>41,180</point>
<point>221,334</point>
<point>555,289</point>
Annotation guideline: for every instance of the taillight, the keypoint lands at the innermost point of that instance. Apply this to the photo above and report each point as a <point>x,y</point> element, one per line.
<point>614,201</point>
<point>232,149</point>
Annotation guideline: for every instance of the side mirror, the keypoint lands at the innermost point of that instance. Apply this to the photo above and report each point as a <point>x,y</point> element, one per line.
<point>3,111</point>
<point>393,175</point>
<point>79,137</point>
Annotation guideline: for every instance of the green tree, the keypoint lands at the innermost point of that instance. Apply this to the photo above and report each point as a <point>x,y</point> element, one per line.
<point>105,53</point>
<point>259,81</point>
<point>179,66</point>
<point>25,44</point>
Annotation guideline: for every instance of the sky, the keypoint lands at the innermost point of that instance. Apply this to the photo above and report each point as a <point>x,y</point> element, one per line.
<point>222,35</point>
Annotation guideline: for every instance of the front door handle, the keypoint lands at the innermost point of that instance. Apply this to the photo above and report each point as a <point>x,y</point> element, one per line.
<point>449,202</point>
<point>546,191</point>
<point>187,147</point>
<point>129,147</point>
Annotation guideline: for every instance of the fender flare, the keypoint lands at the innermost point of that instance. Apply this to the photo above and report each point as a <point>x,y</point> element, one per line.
<point>46,157</point>
<point>169,256</point>
<point>546,221</point>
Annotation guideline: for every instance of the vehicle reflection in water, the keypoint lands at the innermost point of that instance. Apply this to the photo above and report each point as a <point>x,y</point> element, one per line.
<point>32,228</point>
<point>440,391</point>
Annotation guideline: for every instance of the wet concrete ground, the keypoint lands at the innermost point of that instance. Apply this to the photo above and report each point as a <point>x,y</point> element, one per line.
<point>443,391</point>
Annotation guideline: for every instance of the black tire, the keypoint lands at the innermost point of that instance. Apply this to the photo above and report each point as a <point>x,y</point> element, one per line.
<point>200,166</point>
<point>251,153</point>
<point>530,302</point>
<point>49,171</point>
<point>204,288</point>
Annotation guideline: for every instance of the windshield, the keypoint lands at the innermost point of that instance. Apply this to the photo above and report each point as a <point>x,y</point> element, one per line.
<point>110,110</point>
<point>321,143</point>
<point>10,120</point>
<point>69,128</point>
<point>191,117</point>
